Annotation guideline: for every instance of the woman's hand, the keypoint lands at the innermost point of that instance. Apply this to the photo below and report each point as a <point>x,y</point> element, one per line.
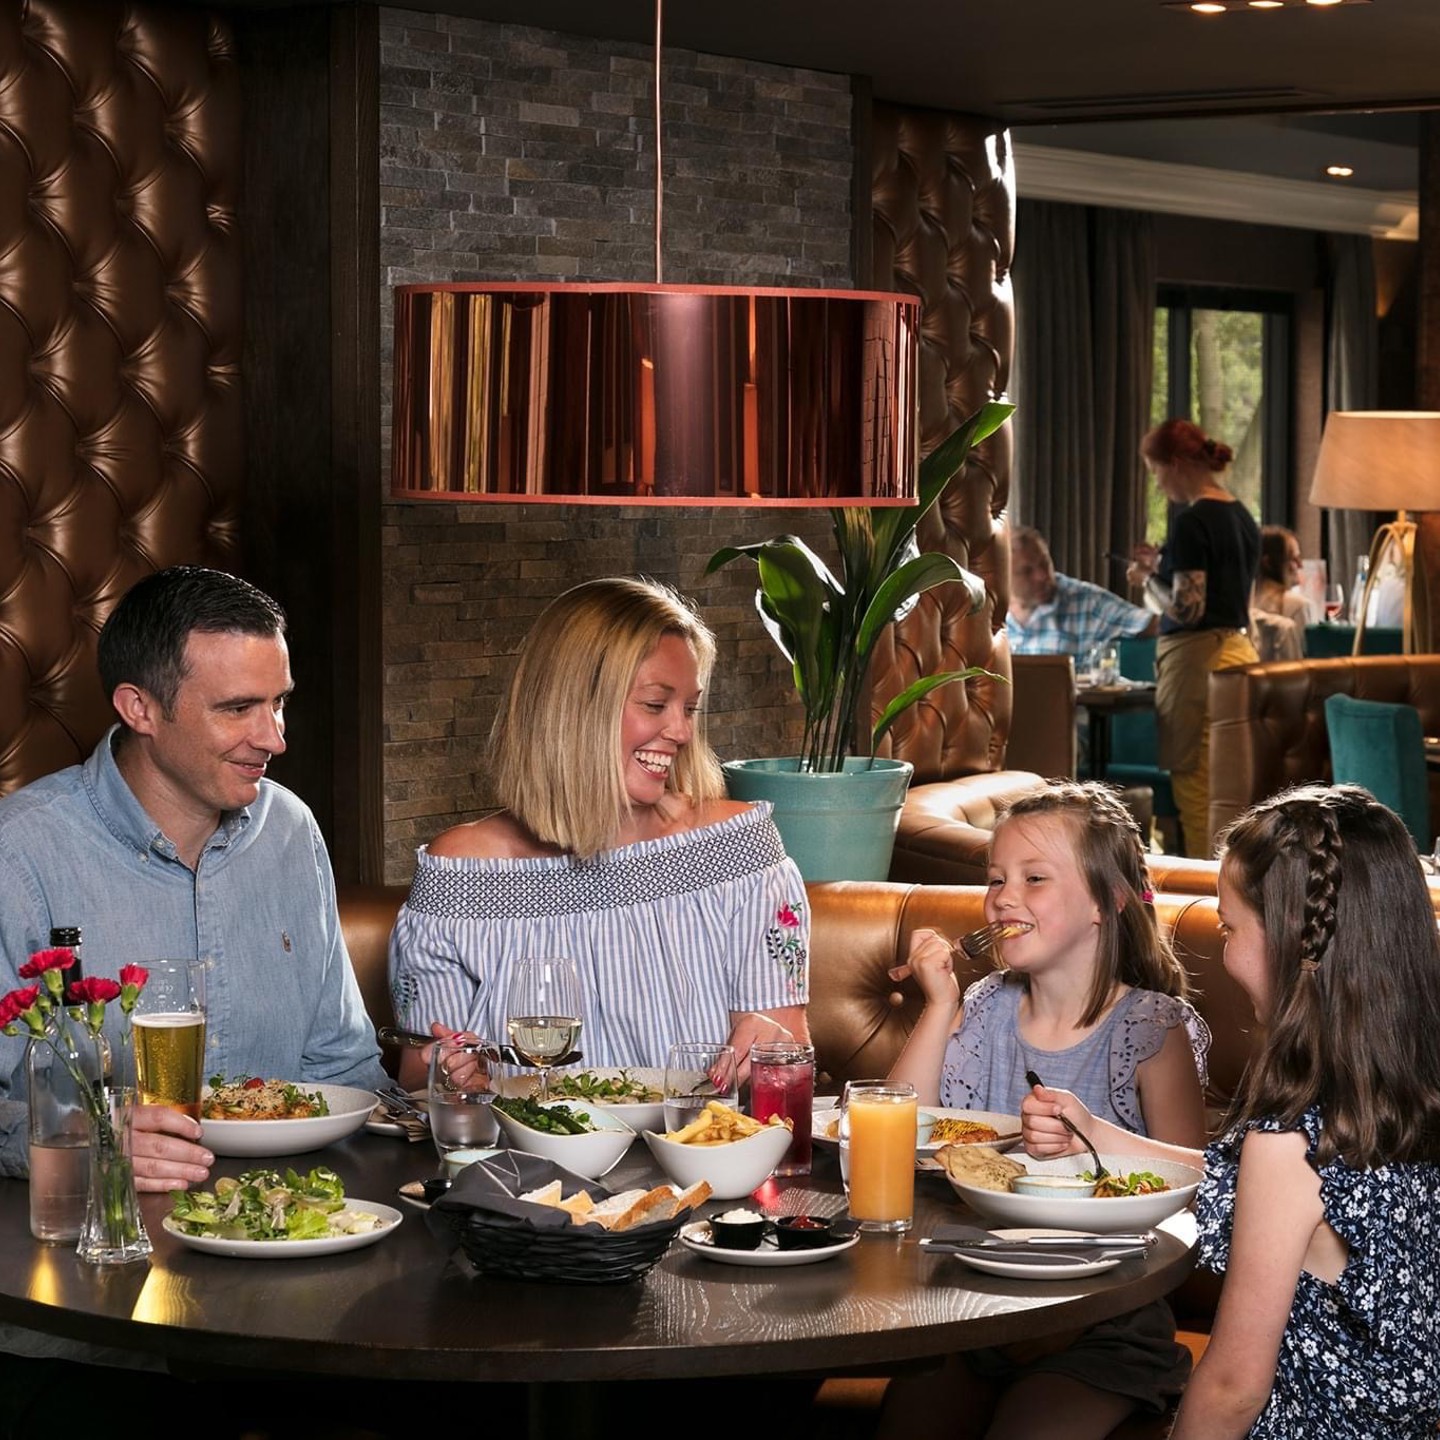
<point>932,962</point>
<point>1144,561</point>
<point>1040,1124</point>
<point>415,1064</point>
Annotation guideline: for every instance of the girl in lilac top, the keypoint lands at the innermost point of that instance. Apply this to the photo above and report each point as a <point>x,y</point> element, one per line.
<point>1091,992</point>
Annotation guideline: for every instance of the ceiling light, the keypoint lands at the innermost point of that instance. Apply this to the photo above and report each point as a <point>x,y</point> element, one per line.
<point>1323,2</point>
<point>1208,7</point>
<point>1339,172</point>
<point>1266,4</point>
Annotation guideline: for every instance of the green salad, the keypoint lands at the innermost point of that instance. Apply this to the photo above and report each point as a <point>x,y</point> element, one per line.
<point>618,1089</point>
<point>260,1205</point>
<point>552,1119</point>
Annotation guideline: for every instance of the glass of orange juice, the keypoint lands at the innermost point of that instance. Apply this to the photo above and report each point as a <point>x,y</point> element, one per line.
<point>878,1131</point>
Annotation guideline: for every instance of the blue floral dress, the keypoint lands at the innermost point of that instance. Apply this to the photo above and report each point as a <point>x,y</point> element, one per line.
<point>1359,1359</point>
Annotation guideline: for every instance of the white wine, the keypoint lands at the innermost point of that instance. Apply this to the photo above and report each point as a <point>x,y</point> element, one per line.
<point>543,1039</point>
<point>169,1051</point>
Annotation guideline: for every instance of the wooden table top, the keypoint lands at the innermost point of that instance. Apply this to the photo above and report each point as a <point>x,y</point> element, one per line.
<point>401,1310</point>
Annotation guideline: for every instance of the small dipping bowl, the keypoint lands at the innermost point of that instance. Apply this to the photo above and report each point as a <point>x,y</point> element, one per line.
<point>457,1160</point>
<point>738,1234</point>
<point>804,1232</point>
<point>1053,1187</point>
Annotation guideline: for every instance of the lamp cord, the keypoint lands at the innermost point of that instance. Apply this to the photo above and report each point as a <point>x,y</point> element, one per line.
<point>659,183</point>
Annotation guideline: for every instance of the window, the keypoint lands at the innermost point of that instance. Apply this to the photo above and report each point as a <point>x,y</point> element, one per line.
<point>1222,359</point>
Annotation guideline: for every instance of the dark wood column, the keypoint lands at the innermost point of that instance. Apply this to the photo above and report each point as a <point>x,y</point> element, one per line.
<point>1427,350</point>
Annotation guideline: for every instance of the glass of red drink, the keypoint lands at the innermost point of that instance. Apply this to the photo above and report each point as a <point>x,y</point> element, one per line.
<point>782,1082</point>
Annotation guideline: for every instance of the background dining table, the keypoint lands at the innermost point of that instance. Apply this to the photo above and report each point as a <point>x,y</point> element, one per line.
<point>404,1310</point>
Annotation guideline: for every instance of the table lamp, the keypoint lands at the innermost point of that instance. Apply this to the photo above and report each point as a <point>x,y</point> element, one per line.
<point>1385,460</point>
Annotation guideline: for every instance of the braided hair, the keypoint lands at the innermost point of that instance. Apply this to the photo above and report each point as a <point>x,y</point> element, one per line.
<point>1352,966</point>
<point>1130,948</point>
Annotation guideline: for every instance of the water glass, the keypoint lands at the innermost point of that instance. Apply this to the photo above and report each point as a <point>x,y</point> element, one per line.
<point>1107,671</point>
<point>460,1096</point>
<point>782,1082</point>
<point>696,1072</point>
<point>877,1130</point>
<point>169,1022</point>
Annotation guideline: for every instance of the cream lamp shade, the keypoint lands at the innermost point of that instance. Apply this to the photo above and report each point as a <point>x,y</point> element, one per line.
<point>1385,460</point>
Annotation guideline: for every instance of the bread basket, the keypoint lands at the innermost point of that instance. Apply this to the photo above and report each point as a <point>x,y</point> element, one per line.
<point>502,1235</point>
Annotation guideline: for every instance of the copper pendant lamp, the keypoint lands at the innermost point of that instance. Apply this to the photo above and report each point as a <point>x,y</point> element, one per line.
<point>654,394</point>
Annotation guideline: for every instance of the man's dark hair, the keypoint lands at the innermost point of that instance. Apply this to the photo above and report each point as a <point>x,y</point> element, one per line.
<point>143,642</point>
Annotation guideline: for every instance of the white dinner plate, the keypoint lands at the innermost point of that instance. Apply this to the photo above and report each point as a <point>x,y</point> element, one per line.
<point>350,1108</point>
<point>1105,1217</point>
<point>293,1249</point>
<point>1053,1267</point>
<point>696,1237</point>
<point>824,1123</point>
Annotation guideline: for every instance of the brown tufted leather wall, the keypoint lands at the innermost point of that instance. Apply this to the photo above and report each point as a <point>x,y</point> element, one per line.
<point>121,447</point>
<point>943,205</point>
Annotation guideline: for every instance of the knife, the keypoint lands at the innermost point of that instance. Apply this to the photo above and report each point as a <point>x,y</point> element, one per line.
<point>1045,1242</point>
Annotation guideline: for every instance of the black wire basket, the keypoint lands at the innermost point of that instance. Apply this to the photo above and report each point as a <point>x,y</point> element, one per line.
<point>498,1245</point>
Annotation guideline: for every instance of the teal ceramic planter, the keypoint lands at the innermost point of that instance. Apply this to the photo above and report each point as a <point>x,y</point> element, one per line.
<point>836,827</point>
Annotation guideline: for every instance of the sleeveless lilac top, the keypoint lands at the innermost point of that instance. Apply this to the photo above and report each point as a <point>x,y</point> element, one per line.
<point>986,1059</point>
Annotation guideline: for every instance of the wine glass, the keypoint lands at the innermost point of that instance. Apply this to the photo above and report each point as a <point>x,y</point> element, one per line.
<point>543,1013</point>
<point>697,1072</point>
<point>1334,602</point>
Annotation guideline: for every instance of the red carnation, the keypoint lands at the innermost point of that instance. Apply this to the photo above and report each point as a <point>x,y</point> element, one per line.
<point>60,958</point>
<point>93,990</point>
<point>14,1006</point>
<point>135,975</point>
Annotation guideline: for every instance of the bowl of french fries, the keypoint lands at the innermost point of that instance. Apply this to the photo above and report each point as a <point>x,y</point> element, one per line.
<point>734,1153</point>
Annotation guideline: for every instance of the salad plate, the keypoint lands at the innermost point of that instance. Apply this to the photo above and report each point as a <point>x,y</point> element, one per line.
<point>695,1237</point>
<point>592,1086</point>
<point>293,1249</point>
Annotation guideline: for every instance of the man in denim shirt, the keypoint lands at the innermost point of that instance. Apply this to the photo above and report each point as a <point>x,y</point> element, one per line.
<point>169,842</point>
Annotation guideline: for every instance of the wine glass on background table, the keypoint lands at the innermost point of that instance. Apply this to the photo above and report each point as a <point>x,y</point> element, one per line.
<point>697,1072</point>
<point>543,1013</point>
<point>169,1023</point>
<point>1334,602</point>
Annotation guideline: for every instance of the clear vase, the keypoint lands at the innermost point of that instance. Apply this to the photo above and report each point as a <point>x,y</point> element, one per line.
<point>62,1072</point>
<point>114,1233</point>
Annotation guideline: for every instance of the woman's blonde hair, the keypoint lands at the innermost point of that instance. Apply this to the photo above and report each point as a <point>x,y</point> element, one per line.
<point>1130,949</point>
<point>555,745</point>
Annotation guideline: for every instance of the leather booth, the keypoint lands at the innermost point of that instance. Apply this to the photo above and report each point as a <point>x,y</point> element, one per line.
<point>1267,726</point>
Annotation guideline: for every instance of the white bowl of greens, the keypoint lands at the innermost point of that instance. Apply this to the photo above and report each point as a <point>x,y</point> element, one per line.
<point>633,1094</point>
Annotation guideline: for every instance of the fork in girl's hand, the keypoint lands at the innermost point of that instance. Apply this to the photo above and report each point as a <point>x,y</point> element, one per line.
<point>977,945</point>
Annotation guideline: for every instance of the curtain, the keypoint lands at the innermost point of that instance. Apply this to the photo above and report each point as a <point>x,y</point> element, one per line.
<point>1352,378</point>
<point>1085,308</point>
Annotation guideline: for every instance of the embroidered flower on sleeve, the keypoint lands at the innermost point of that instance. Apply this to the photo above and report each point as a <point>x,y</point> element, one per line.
<point>785,946</point>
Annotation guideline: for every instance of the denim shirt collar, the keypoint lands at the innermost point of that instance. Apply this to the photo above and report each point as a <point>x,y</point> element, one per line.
<point>127,819</point>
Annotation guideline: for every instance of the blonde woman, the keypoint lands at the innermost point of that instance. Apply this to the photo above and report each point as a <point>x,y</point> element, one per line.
<point>1199,583</point>
<point>614,847</point>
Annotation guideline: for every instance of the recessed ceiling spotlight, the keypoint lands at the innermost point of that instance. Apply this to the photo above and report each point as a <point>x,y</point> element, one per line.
<point>1323,2</point>
<point>1208,7</point>
<point>1339,172</point>
<point>1266,4</point>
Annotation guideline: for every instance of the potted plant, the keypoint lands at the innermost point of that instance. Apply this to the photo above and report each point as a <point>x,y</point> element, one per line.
<point>827,627</point>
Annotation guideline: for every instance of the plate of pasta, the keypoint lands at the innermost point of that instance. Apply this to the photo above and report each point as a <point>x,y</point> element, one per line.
<point>936,1127</point>
<point>279,1117</point>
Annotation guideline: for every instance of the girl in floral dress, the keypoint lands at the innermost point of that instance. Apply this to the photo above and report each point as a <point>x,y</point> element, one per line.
<point>1321,1200</point>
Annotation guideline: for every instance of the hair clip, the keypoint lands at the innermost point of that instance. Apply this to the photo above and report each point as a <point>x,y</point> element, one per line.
<point>1148,896</point>
<point>1309,965</point>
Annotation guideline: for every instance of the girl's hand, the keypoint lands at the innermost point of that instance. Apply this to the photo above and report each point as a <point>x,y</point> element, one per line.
<point>1045,1136</point>
<point>931,962</point>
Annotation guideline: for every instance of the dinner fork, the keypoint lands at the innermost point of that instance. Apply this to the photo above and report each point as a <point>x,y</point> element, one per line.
<point>977,945</point>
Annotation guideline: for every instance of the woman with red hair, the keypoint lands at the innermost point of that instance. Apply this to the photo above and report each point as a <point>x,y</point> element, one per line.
<point>1199,581</point>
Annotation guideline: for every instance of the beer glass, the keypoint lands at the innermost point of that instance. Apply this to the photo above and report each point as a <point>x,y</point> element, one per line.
<point>170,1035</point>
<point>878,1131</point>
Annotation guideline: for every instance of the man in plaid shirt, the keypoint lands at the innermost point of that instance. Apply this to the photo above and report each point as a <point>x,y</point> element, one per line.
<point>1054,614</point>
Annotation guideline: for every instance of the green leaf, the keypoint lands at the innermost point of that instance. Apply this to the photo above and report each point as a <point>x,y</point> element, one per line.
<point>918,691</point>
<point>913,578</point>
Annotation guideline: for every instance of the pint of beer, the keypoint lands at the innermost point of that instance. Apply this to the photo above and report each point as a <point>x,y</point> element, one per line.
<point>169,1056</point>
<point>170,1035</point>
